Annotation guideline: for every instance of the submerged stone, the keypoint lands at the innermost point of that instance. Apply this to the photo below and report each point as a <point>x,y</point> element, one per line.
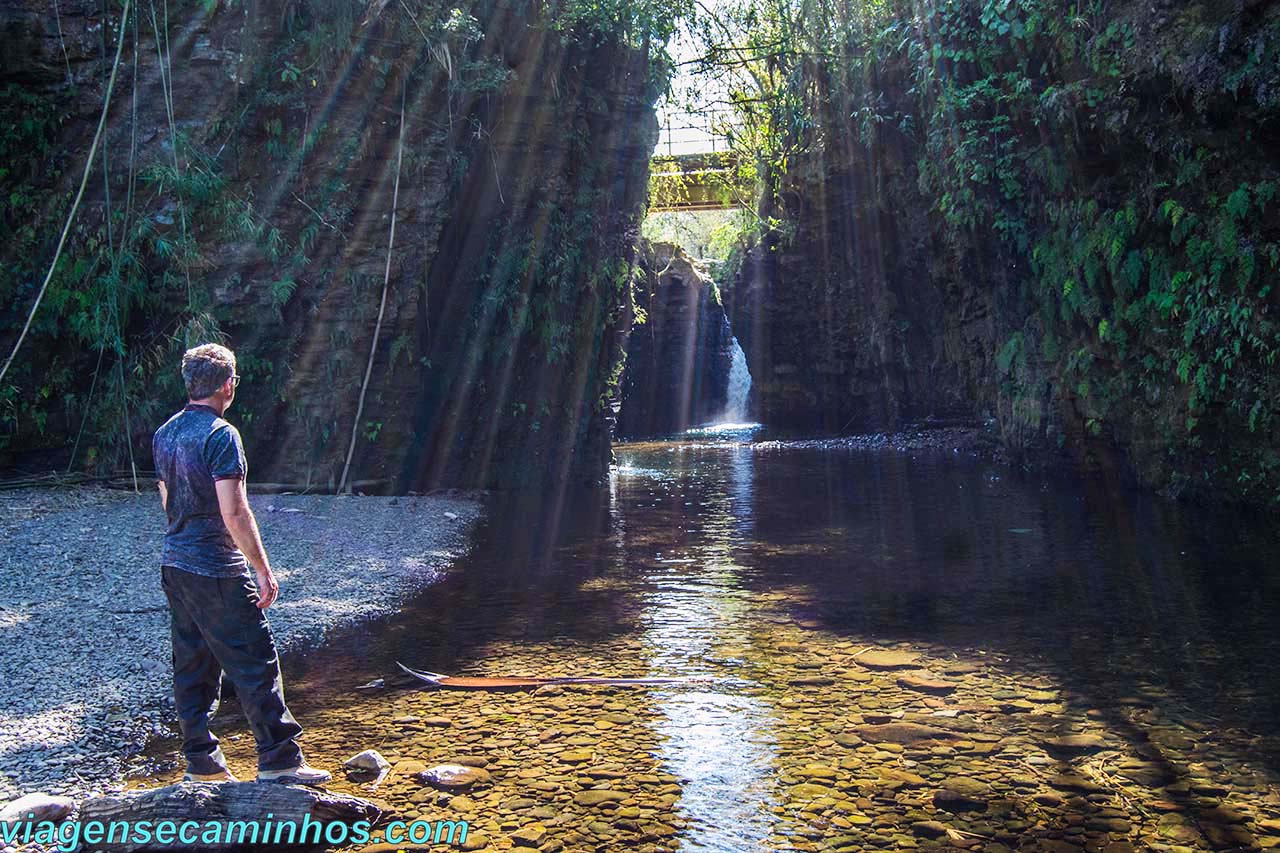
<point>449,776</point>
<point>922,682</point>
<point>888,659</point>
<point>1074,743</point>
<point>903,733</point>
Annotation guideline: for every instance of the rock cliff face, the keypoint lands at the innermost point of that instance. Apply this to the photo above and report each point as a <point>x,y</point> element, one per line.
<point>678,359</point>
<point>845,325</point>
<point>1066,220</point>
<point>251,157</point>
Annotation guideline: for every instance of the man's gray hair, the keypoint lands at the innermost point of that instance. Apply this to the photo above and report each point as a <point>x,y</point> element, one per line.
<point>205,368</point>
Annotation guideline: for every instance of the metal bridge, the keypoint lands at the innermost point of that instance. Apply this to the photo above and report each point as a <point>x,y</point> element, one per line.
<point>692,164</point>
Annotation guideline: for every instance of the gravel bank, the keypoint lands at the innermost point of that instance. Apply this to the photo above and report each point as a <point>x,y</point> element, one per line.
<point>84,630</point>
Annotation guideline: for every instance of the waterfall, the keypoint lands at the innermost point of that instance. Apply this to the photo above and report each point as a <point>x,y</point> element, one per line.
<point>735,410</point>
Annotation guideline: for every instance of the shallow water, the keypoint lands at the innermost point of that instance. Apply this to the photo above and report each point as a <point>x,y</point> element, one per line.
<point>1093,669</point>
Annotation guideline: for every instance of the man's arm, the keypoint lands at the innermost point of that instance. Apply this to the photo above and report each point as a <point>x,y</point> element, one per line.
<point>164,495</point>
<point>233,503</point>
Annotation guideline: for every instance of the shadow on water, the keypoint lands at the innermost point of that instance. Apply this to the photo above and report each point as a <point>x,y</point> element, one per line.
<point>517,584</point>
<point>1116,591</point>
<point>764,567</point>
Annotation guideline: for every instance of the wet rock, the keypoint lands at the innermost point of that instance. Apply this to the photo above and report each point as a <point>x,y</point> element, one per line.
<point>475,841</point>
<point>1073,782</point>
<point>958,801</point>
<point>903,733</point>
<point>1227,835</point>
<point>929,828</point>
<point>817,771</point>
<point>905,777</point>
<point>471,761</point>
<point>1179,829</point>
<point>453,776</point>
<point>888,659</point>
<point>1073,744</point>
<point>531,835</point>
<point>1148,775</point>
<point>967,786</point>
<point>409,767</point>
<point>678,363</point>
<point>595,797</point>
<point>921,682</point>
<point>961,668</point>
<point>809,791</point>
<point>1220,814</point>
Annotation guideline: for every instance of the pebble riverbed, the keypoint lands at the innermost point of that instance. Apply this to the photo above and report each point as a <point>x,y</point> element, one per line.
<point>85,662</point>
<point>883,653</point>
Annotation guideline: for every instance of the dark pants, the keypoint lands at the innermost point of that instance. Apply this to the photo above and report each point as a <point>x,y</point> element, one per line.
<point>217,627</point>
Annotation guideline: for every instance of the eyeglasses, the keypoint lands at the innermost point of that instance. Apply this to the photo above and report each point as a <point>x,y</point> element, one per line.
<point>235,381</point>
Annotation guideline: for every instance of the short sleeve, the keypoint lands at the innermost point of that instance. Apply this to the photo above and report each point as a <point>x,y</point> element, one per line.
<point>225,454</point>
<point>156,462</point>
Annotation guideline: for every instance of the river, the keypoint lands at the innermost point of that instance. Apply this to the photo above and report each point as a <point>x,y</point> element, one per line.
<point>890,650</point>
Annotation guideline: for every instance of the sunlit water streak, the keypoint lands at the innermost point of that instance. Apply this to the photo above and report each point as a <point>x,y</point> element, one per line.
<point>707,556</point>
<point>718,740</point>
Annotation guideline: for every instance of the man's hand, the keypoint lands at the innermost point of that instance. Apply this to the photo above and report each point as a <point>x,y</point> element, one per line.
<point>268,588</point>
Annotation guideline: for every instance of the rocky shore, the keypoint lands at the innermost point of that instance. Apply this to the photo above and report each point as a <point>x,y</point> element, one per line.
<point>85,659</point>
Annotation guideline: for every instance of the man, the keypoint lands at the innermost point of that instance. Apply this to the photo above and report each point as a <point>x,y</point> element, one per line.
<point>218,623</point>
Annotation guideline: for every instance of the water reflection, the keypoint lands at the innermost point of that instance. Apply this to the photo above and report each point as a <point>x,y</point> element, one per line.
<point>718,741</point>
<point>1043,612</point>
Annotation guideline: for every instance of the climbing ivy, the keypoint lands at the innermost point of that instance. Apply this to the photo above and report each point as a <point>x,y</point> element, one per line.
<point>1132,246</point>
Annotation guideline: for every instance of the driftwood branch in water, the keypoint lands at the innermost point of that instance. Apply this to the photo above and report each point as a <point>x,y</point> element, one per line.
<point>519,682</point>
<point>230,804</point>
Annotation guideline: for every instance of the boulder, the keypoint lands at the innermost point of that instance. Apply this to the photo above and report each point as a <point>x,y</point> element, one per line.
<point>237,809</point>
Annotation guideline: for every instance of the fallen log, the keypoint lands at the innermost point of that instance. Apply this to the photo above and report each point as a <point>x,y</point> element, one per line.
<point>520,682</point>
<point>229,816</point>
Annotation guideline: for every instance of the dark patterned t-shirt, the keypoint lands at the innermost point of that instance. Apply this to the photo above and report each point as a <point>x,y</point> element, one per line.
<point>192,450</point>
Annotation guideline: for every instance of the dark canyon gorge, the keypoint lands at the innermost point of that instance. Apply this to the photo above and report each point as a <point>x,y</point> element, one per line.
<point>1059,217</point>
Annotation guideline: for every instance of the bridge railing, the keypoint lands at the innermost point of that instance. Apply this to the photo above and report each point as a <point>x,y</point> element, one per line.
<point>688,133</point>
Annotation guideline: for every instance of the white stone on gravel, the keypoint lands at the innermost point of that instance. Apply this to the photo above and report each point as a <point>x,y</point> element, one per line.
<point>369,761</point>
<point>84,625</point>
<point>37,807</point>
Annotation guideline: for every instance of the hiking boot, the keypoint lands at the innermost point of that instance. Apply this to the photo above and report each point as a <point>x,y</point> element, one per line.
<point>223,775</point>
<point>300,775</point>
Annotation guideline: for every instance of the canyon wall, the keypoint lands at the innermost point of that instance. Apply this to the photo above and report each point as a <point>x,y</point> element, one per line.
<point>1063,218</point>
<point>244,193</point>
<point>678,360</point>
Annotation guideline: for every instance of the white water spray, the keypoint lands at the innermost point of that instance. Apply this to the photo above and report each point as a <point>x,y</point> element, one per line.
<point>735,410</point>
